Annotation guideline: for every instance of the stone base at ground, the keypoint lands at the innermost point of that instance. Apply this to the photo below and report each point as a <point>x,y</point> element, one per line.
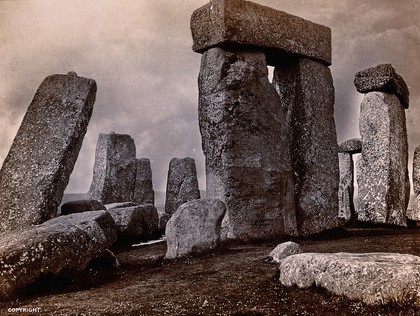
<point>374,278</point>
<point>63,244</point>
<point>194,228</point>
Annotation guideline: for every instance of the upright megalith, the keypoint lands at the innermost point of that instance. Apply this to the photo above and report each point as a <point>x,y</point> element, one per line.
<point>143,189</point>
<point>415,208</point>
<point>255,141</point>
<point>114,172</point>
<point>245,143</point>
<point>182,184</point>
<point>36,171</point>
<point>384,187</point>
<point>346,209</point>
<point>307,99</point>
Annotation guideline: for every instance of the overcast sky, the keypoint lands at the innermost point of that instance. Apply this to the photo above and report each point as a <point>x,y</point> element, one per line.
<point>139,53</point>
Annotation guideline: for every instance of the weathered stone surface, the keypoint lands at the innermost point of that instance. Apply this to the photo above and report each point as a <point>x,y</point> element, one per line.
<point>351,146</point>
<point>143,190</point>
<point>194,228</point>
<point>81,206</point>
<point>63,244</point>
<point>382,171</point>
<point>307,97</point>
<point>114,170</point>
<point>239,24</point>
<point>136,223</point>
<point>163,221</point>
<point>36,171</point>
<point>346,210</point>
<point>375,278</point>
<point>382,78</point>
<point>284,250</point>
<point>182,185</point>
<point>244,139</point>
<point>414,213</point>
<point>119,205</point>
<point>416,170</point>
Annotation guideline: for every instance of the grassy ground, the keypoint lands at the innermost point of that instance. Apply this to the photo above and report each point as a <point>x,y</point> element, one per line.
<point>234,281</point>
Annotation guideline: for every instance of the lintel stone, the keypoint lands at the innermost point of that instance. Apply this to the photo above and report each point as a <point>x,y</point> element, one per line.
<point>232,24</point>
<point>351,146</point>
<point>382,78</point>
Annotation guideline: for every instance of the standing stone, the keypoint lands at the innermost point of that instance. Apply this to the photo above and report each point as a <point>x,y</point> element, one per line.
<point>307,99</point>
<point>415,207</point>
<point>346,211</point>
<point>384,187</point>
<point>244,139</point>
<point>143,190</point>
<point>36,171</point>
<point>114,172</point>
<point>182,185</point>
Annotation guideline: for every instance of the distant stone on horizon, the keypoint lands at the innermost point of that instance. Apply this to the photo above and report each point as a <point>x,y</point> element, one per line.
<point>182,183</point>
<point>114,171</point>
<point>36,171</point>
<point>143,189</point>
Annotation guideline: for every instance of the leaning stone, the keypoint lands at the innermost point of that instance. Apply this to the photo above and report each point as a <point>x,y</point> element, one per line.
<point>194,228</point>
<point>81,206</point>
<point>346,210</point>
<point>382,78</point>
<point>182,185</point>
<point>416,170</point>
<point>143,190</point>
<point>239,24</point>
<point>114,170</point>
<point>307,98</point>
<point>65,244</point>
<point>119,205</point>
<point>248,163</point>
<point>382,173</point>
<point>351,146</point>
<point>137,223</point>
<point>374,278</point>
<point>284,250</point>
<point>36,171</point>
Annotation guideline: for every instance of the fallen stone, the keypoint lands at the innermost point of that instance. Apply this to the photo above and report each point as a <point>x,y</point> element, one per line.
<point>194,228</point>
<point>416,170</point>
<point>351,146</point>
<point>382,170</point>
<point>284,250</point>
<point>114,171</point>
<point>245,142</point>
<point>64,244</point>
<point>163,220</point>
<point>307,98</point>
<point>239,24</point>
<point>81,206</point>
<point>143,190</point>
<point>182,185</point>
<point>374,278</point>
<point>37,168</point>
<point>136,223</point>
<point>346,211</point>
<point>119,205</point>
<point>382,78</point>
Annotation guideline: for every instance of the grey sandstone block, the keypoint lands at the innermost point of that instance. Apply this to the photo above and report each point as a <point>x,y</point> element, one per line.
<point>351,146</point>
<point>239,24</point>
<point>36,171</point>
<point>383,78</point>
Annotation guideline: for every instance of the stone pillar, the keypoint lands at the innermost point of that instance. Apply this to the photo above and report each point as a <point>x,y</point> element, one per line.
<point>182,185</point>
<point>384,187</point>
<point>346,210</point>
<point>143,190</point>
<point>245,143</point>
<point>415,208</point>
<point>307,99</point>
<point>114,172</point>
<point>36,171</point>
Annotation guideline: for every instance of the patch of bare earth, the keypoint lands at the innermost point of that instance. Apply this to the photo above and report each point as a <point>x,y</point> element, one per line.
<point>236,280</point>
